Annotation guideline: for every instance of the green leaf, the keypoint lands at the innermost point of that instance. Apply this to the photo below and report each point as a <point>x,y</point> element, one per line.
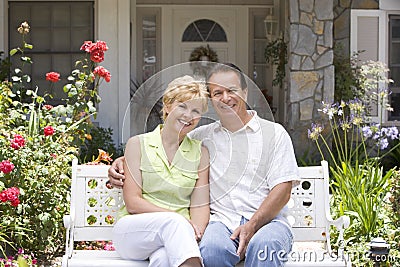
<point>13,51</point>
<point>27,59</point>
<point>15,79</point>
<point>22,262</point>
<point>40,100</point>
<point>28,46</point>
<point>67,87</point>
<point>26,78</point>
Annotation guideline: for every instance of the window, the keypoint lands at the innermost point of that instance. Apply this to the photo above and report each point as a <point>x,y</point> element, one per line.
<point>58,29</point>
<point>204,30</point>
<point>368,35</point>
<point>148,43</point>
<point>394,65</point>
<point>260,70</point>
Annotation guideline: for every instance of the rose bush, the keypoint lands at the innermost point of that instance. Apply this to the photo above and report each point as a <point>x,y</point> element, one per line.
<point>38,142</point>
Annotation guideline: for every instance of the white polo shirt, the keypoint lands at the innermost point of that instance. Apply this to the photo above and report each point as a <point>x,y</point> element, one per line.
<point>245,166</point>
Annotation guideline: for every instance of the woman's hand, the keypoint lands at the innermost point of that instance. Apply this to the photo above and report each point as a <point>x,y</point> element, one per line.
<point>197,232</point>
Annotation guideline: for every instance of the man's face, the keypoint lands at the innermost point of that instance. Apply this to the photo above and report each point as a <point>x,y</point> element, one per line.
<point>226,94</point>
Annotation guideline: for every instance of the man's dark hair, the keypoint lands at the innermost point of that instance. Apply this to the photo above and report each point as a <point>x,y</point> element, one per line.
<point>226,67</point>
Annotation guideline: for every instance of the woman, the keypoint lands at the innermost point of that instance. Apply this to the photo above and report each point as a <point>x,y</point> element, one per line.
<point>166,192</point>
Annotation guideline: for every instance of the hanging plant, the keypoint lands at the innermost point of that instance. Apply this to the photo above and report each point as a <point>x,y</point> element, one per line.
<point>203,53</point>
<point>276,54</point>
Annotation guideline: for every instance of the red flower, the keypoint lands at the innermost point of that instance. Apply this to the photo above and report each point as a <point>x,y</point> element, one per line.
<point>97,56</point>
<point>96,50</point>
<point>3,196</point>
<point>15,202</point>
<point>48,130</point>
<point>102,72</point>
<point>86,46</point>
<point>10,194</point>
<point>99,45</point>
<point>53,76</point>
<point>6,166</point>
<point>48,107</point>
<point>18,141</point>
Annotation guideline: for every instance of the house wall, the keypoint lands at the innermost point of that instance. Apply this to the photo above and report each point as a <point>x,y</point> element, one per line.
<point>2,26</point>
<point>341,31</point>
<point>205,2</point>
<point>114,28</point>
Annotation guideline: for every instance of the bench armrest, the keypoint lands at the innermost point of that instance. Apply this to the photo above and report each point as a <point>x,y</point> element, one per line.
<point>341,224</point>
<point>69,240</point>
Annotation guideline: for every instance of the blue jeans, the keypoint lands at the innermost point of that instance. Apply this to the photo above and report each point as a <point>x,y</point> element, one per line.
<point>268,247</point>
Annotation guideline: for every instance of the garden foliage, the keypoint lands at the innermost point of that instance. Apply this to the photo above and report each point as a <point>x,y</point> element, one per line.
<point>355,147</point>
<point>38,142</point>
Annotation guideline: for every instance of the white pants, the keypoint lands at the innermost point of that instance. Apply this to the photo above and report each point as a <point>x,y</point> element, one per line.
<point>165,238</point>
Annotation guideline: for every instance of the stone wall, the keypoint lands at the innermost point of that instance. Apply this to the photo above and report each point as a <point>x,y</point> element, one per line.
<point>311,72</point>
<point>315,27</point>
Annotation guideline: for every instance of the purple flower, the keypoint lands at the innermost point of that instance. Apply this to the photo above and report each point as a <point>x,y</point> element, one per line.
<point>367,132</point>
<point>393,132</point>
<point>383,143</point>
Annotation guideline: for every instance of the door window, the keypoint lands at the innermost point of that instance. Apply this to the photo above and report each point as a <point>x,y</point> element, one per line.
<point>204,30</point>
<point>148,43</point>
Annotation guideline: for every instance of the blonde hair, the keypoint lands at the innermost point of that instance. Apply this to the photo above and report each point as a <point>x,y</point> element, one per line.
<point>183,89</point>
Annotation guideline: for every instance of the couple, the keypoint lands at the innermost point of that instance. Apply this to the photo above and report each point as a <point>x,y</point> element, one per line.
<point>251,174</point>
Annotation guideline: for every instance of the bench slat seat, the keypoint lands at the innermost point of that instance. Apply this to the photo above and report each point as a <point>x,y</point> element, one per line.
<point>94,209</point>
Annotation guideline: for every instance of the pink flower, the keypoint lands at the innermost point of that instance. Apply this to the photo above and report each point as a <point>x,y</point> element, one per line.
<point>6,166</point>
<point>102,72</point>
<point>53,76</point>
<point>109,246</point>
<point>17,142</point>
<point>48,130</point>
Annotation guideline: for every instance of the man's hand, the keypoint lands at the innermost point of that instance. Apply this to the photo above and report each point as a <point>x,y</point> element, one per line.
<point>245,232</point>
<point>116,173</point>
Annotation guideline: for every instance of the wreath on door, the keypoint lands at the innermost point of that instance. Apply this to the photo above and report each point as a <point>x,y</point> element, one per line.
<point>203,53</point>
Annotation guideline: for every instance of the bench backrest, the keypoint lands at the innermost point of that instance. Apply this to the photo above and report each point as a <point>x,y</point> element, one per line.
<point>94,207</point>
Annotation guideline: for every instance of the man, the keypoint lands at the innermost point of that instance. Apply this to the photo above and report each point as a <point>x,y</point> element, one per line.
<point>252,171</point>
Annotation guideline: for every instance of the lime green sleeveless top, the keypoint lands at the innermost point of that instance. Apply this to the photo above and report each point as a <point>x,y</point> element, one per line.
<point>168,185</point>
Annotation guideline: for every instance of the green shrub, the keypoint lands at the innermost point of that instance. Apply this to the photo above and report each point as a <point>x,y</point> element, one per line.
<point>99,138</point>
<point>5,65</point>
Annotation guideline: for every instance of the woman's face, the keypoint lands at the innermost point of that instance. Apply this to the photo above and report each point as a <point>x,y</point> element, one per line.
<point>184,116</point>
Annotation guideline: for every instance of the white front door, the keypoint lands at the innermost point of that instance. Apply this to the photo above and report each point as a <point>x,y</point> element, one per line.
<point>183,17</point>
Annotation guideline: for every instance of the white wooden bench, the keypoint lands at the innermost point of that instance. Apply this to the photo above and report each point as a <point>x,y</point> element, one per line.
<point>94,208</point>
